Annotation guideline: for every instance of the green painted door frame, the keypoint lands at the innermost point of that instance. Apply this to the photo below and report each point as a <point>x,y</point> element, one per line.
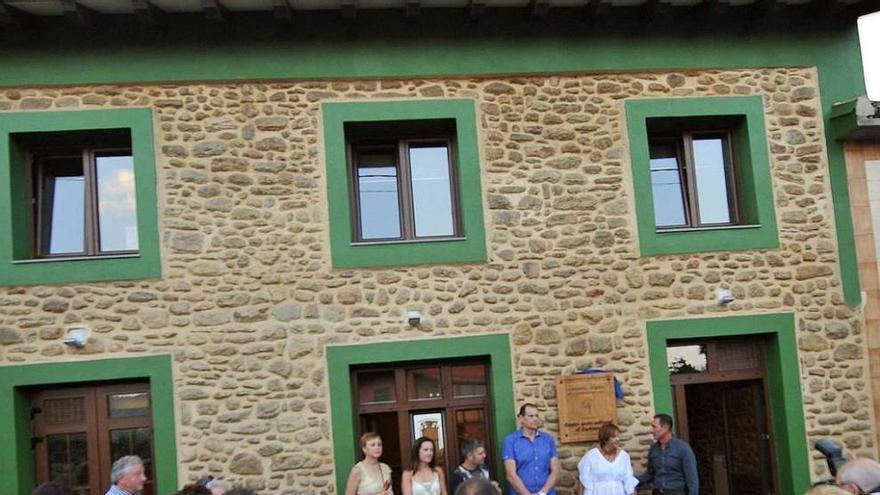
<point>786,403</point>
<point>340,359</point>
<point>17,472</point>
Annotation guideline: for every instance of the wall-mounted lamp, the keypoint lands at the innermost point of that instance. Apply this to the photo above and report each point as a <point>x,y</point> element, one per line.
<point>724,296</point>
<point>414,318</point>
<point>77,336</point>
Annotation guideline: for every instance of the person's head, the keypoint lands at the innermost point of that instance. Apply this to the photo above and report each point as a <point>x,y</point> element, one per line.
<point>371,445</point>
<point>476,486</point>
<point>218,487</point>
<point>528,416</point>
<point>609,435</point>
<point>473,452</point>
<point>859,476</point>
<point>128,473</point>
<point>52,488</point>
<point>826,490</point>
<point>423,452</point>
<point>193,489</point>
<point>661,427</point>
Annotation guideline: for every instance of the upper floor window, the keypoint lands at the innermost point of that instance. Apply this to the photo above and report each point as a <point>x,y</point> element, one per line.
<point>693,176</point>
<point>404,180</point>
<point>84,200</point>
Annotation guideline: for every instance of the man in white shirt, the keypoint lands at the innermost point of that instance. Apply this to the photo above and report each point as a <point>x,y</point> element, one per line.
<point>127,476</point>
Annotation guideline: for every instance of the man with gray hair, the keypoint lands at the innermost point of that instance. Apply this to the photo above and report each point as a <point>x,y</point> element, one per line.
<point>860,476</point>
<point>127,476</point>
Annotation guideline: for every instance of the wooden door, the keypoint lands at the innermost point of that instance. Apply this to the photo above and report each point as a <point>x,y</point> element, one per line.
<point>80,431</point>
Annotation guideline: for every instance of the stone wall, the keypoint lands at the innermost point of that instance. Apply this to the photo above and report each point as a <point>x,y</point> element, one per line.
<point>248,298</point>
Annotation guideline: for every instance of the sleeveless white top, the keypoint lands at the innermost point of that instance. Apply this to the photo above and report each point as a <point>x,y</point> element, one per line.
<point>427,488</point>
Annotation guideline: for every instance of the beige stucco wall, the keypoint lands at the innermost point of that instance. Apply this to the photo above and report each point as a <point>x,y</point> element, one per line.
<point>248,299</point>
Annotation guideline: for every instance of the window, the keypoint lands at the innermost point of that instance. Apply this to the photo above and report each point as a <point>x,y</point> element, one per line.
<point>693,177</point>
<point>79,432</point>
<point>84,198</point>
<point>403,183</point>
<point>81,189</point>
<point>701,174</point>
<point>403,186</point>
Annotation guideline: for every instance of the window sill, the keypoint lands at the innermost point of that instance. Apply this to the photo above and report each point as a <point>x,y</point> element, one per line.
<point>408,241</point>
<point>75,258</point>
<point>709,229</point>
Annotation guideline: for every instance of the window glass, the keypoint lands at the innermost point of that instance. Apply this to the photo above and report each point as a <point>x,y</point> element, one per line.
<point>68,461</point>
<point>469,381</point>
<point>711,173</point>
<point>423,383</point>
<point>128,405</point>
<point>117,220</point>
<point>132,441</point>
<point>431,190</point>
<point>63,205</point>
<point>686,359</point>
<point>375,387</point>
<point>666,185</point>
<point>378,195</point>
<point>470,424</point>
<point>430,424</point>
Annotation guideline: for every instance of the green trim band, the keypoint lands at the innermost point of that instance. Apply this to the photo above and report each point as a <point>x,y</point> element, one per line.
<point>16,462</point>
<point>753,181</point>
<point>340,359</point>
<point>16,229</point>
<point>784,383</point>
<point>345,254</point>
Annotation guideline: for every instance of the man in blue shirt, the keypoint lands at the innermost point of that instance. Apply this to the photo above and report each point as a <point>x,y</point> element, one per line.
<point>672,467</point>
<point>127,476</point>
<point>530,461</point>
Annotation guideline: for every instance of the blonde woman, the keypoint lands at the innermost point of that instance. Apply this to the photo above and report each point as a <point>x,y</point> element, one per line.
<point>369,476</point>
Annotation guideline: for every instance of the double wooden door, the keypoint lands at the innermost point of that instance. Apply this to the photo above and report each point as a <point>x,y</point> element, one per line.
<point>79,431</point>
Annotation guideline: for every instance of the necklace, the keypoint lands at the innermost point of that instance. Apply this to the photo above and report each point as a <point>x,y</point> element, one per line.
<point>609,456</point>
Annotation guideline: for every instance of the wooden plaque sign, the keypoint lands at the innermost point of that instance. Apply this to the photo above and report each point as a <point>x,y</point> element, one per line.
<point>585,402</point>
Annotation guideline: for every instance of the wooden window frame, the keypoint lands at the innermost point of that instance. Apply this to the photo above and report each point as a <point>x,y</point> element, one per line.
<point>683,141</point>
<point>91,225</point>
<point>402,144</point>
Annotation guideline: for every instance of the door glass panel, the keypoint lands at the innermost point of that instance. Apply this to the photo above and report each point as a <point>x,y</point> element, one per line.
<point>63,205</point>
<point>666,185</point>
<point>711,174</point>
<point>469,381</point>
<point>686,359</point>
<point>430,425</point>
<point>376,387</point>
<point>378,195</point>
<point>431,190</point>
<point>129,405</point>
<point>68,460</point>
<point>423,383</point>
<point>117,219</point>
<point>470,424</point>
<point>132,441</point>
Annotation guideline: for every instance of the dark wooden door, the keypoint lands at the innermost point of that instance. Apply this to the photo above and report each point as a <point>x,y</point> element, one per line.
<point>80,431</point>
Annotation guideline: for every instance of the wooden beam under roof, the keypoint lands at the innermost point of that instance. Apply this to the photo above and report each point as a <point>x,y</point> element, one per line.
<point>10,15</point>
<point>476,9</point>
<point>215,11</point>
<point>539,8</point>
<point>349,9</point>
<point>148,13</point>
<point>79,14</point>
<point>282,11</point>
<point>413,9</point>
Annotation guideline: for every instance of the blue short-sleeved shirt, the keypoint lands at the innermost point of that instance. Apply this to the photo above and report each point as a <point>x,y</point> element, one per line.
<point>532,458</point>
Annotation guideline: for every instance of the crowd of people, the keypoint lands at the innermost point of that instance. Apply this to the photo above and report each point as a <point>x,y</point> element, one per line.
<point>531,467</point>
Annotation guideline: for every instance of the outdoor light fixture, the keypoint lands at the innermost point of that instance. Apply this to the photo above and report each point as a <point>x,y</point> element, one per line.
<point>414,318</point>
<point>77,336</point>
<point>724,296</point>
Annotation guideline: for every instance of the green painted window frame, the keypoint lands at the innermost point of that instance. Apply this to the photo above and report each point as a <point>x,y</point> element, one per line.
<point>471,248</point>
<point>783,379</point>
<point>16,465</point>
<point>17,264</point>
<point>753,176</point>
<point>340,359</point>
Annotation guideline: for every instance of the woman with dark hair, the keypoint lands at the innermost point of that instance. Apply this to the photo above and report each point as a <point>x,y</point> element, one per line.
<point>52,488</point>
<point>606,470</point>
<point>370,477</point>
<point>424,478</point>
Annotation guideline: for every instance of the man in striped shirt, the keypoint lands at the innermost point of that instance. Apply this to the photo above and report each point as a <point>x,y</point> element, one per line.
<point>127,476</point>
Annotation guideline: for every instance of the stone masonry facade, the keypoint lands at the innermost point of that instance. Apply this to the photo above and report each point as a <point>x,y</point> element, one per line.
<point>248,299</point>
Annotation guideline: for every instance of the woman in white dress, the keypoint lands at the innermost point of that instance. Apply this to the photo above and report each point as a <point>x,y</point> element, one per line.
<point>606,470</point>
<point>424,478</point>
